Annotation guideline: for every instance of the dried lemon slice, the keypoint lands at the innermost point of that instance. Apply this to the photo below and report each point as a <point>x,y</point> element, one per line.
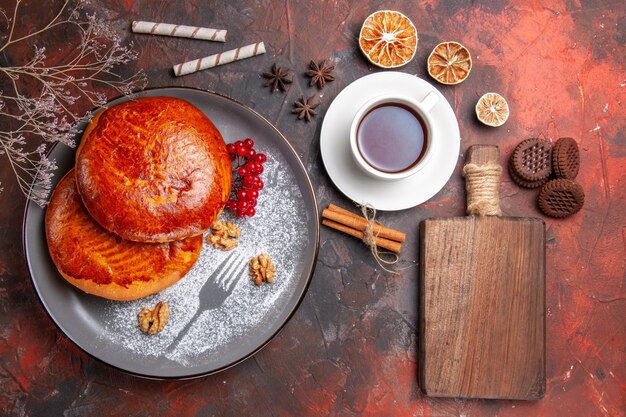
<point>449,63</point>
<point>492,109</point>
<point>388,39</point>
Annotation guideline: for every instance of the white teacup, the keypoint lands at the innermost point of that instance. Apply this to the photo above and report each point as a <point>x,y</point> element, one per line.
<point>385,135</point>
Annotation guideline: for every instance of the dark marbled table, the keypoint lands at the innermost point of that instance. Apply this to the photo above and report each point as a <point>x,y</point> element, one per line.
<point>350,349</point>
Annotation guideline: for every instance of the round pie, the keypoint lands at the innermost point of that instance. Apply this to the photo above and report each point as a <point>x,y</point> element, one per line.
<point>153,170</point>
<point>100,262</point>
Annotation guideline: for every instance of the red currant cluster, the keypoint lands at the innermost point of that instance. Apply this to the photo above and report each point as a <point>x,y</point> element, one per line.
<point>247,166</point>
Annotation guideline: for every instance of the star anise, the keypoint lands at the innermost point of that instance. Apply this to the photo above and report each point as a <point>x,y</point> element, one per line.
<point>304,107</point>
<point>320,74</point>
<point>277,78</point>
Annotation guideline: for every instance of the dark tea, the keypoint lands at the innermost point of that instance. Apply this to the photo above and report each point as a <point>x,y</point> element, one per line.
<point>392,137</point>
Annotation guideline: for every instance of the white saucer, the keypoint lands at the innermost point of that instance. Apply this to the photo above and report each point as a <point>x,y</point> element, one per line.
<point>363,189</point>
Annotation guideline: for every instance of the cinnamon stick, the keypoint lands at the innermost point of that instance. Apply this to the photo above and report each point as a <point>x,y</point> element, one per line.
<point>359,223</point>
<point>342,210</point>
<point>391,245</point>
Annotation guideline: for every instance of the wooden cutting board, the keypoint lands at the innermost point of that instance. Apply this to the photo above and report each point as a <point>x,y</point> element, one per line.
<point>482,304</point>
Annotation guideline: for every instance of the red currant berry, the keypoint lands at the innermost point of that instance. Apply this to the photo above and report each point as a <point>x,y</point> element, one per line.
<point>248,181</point>
<point>242,194</point>
<point>247,165</point>
<point>242,205</point>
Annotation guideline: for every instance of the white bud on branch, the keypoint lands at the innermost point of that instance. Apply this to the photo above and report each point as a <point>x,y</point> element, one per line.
<point>43,100</point>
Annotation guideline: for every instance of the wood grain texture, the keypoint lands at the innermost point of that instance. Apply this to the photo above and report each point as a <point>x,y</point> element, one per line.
<point>482,308</point>
<point>482,304</point>
<point>481,154</point>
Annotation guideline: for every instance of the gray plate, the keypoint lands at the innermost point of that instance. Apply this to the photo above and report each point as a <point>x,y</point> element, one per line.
<point>83,318</point>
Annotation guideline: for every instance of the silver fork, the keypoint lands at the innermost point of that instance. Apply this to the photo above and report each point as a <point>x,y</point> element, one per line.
<point>215,291</point>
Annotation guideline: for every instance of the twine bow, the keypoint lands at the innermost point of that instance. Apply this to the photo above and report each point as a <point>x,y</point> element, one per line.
<point>369,238</point>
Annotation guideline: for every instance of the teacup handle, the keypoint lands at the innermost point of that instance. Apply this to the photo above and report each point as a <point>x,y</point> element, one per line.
<point>430,100</point>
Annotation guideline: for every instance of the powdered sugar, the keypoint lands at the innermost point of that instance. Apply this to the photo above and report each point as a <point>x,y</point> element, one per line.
<point>250,313</point>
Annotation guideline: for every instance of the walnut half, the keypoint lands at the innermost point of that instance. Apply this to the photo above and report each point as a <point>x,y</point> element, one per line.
<point>262,269</point>
<point>153,320</point>
<point>221,234</point>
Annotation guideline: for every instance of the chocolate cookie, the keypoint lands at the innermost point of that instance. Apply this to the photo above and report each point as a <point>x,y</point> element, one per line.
<point>561,198</point>
<point>522,182</point>
<point>565,158</point>
<point>532,159</point>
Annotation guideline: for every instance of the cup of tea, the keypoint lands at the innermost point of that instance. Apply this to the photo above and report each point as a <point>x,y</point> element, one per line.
<point>391,136</point>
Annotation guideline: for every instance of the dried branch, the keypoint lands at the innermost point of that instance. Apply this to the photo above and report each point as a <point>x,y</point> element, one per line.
<point>44,101</point>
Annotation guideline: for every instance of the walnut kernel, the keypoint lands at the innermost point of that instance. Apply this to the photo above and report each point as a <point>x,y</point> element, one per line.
<point>262,269</point>
<point>153,320</point>
<point>221,234</point>
<point>222,243</point>
<point>229,228</point>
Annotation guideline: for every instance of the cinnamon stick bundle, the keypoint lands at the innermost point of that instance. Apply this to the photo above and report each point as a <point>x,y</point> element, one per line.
<point>352,224</point>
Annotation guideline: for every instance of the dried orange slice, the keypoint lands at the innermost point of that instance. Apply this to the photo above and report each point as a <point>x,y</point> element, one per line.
<point>449,63</point>
<point>388,39</point>
<point>492,109</point>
